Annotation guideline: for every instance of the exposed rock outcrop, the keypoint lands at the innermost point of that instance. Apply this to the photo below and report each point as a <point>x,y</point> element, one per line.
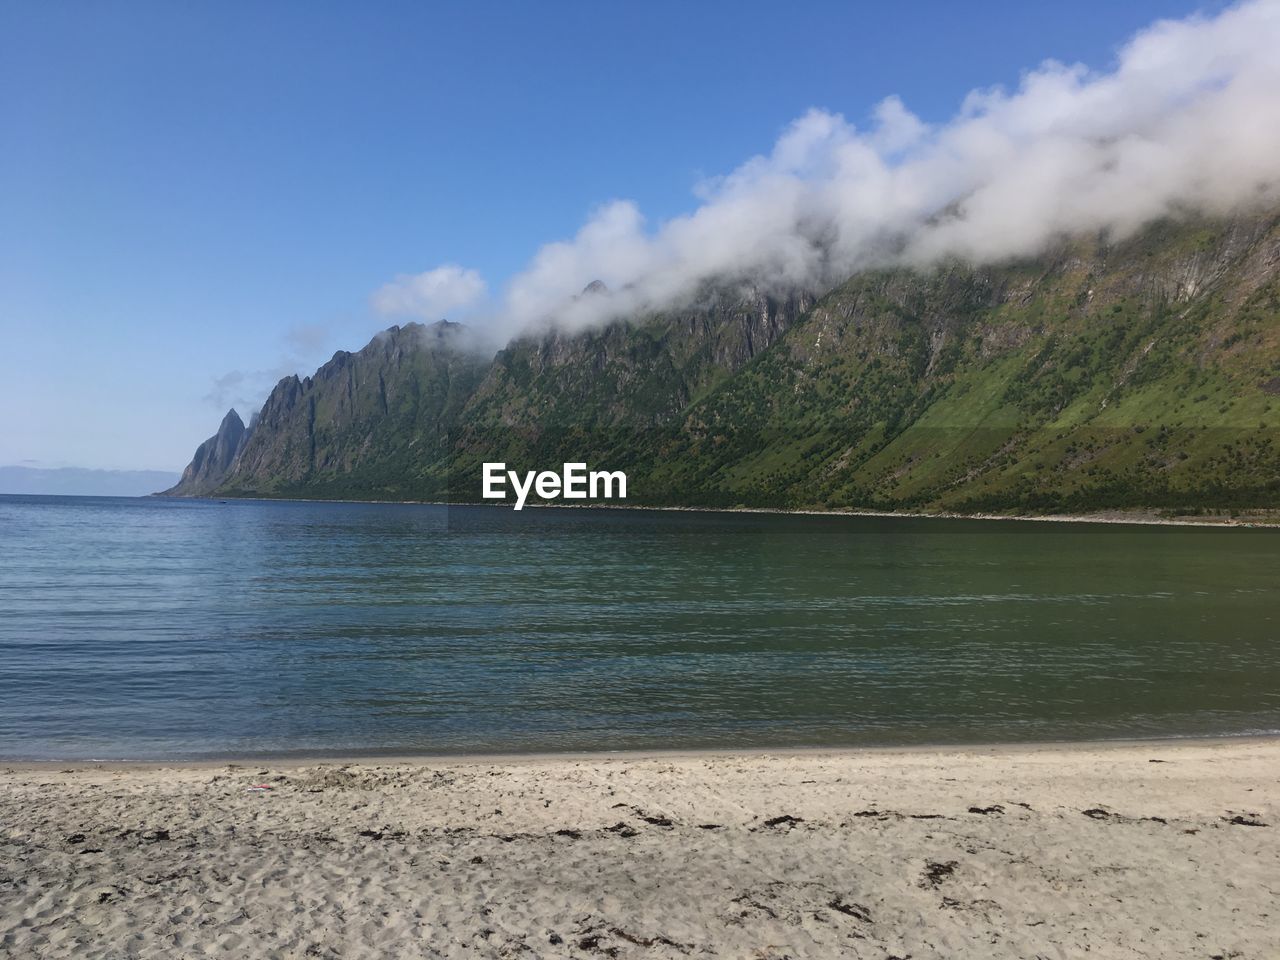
<point>213,459</point>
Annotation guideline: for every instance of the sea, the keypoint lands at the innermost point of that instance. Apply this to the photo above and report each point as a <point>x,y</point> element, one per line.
<point>163,629</point>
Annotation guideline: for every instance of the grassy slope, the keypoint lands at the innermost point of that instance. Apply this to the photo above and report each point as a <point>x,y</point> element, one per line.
<point>1134,375</point>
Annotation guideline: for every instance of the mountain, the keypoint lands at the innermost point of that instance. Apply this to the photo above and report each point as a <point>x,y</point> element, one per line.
<point>213,459</point>
<point>81,482</point>
<point>389,421</point>
<point>1142,372</point>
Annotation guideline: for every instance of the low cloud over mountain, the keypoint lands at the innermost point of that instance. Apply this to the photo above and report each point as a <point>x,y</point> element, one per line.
<point>1187,120</point>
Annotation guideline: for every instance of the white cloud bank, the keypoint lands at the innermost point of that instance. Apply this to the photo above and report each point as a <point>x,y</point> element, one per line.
<point>430,295</point>
<point>1188,120</point>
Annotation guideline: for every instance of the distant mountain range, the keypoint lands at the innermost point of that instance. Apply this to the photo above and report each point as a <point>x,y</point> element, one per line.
<point>1143,373</point>
<point>79,482</point>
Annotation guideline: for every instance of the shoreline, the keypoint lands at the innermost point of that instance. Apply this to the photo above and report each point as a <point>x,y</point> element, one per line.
<point>1110,517</point>
<point>976,749</point>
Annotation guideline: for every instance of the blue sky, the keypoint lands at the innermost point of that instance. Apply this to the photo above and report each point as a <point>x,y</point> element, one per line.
<point>194,195</point>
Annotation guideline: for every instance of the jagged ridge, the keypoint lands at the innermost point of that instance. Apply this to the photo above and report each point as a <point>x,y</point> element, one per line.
<point>1099,374</point>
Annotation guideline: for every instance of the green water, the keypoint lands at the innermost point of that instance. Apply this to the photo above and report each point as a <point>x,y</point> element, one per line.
<point>168,629</point>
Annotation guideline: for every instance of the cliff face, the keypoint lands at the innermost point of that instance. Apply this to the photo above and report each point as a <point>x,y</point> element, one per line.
<point>373,420</point>
<point>1143,372</point>
<point>212,460</point>
<point>631,374</point>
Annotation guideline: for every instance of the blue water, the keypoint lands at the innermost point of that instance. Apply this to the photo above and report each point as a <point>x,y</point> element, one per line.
<point>165,629</point>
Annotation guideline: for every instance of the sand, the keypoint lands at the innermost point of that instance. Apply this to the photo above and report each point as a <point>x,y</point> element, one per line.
<point>1161,850</point>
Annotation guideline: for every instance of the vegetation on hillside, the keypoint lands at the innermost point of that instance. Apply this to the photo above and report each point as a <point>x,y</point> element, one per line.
<point>1140,373</point>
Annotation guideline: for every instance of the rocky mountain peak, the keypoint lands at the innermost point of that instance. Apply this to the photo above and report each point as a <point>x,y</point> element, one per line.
<point>213,458</point>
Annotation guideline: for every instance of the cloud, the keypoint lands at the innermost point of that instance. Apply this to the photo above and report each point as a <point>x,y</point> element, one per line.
<point>303,348</point>
<point>430,295</point>
<point>1187,119</point>
<point>246,390</point>
<point>308,338</point>
<point>226,391</point>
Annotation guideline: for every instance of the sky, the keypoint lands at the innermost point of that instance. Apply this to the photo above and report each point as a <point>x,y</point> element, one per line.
<point>197,199</point>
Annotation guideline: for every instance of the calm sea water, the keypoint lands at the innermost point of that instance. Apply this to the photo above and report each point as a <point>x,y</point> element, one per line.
<point>185,629</point>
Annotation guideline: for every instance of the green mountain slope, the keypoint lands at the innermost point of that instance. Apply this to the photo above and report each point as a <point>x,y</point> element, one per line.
<point>1141,373</point>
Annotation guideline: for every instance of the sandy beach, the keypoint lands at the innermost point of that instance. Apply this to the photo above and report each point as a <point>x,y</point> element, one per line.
<point>1164,849</point>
